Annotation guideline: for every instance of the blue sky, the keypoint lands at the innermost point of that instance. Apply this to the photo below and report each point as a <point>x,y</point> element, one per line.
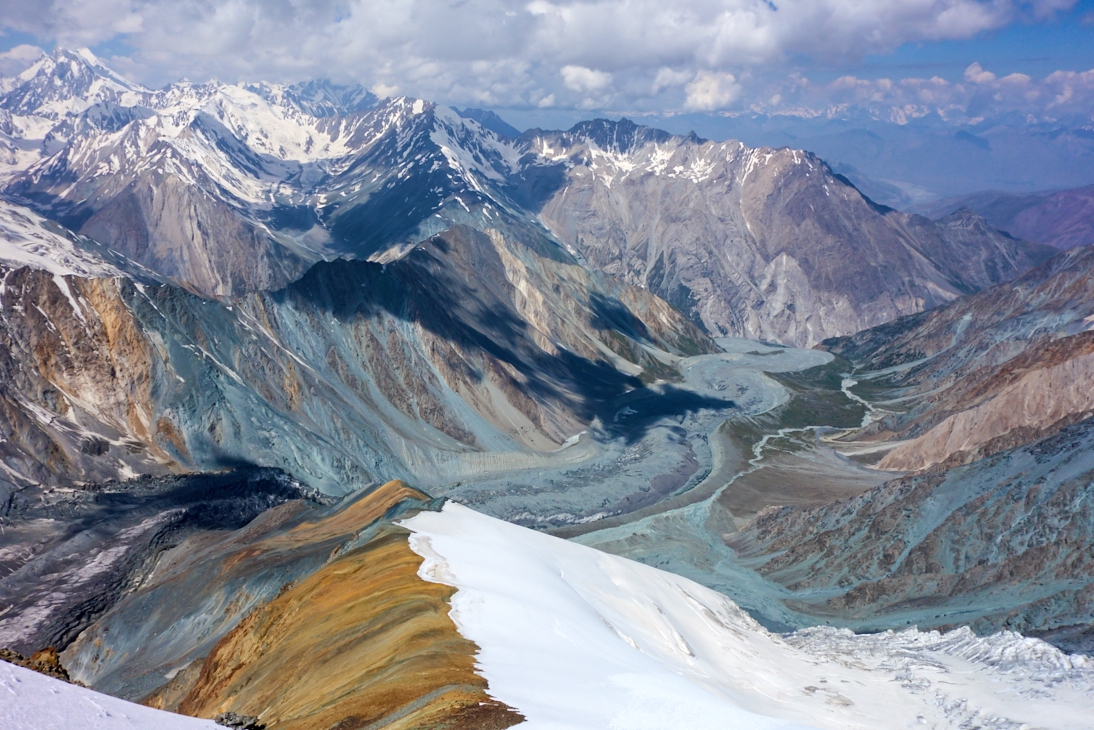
<point>1037,49</point>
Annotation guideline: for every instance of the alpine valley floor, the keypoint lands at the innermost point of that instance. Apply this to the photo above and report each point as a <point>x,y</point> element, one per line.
<point>705,467</point>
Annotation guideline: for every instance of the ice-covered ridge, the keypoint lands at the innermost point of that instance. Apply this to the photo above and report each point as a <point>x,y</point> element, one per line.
<point>28,239</point>
<point>32,701</point>
<point>575,638</point>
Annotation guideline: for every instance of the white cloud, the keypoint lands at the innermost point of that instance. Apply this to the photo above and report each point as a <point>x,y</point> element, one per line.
<point>974,74</point>
<point>14,61</point>
<point>584,80</point>
<point>711,92</point>
<point>667,78</point>
<point>638,54</point>
<point>980,94</point>
<point>382,90</point>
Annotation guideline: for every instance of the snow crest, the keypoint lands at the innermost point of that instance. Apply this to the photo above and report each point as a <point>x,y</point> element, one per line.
<point>575,638</point>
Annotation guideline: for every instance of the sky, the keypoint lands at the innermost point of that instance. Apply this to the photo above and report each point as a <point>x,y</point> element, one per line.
<point>897,59</point>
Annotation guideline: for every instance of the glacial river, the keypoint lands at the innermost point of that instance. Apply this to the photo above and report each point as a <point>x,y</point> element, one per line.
<point>646,485</point>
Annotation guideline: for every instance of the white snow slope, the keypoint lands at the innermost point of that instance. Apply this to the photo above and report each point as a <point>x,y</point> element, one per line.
<point>32,701</point>
<point>575,638</point>
<point>28,239</point>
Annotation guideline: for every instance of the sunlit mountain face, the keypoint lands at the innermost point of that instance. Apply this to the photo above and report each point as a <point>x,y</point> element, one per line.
<point>326,407</point>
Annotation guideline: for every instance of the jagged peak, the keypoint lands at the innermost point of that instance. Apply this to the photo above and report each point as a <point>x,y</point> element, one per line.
<point>618,136</point>
<point>317,97</point>
<point>80,59</point>
<point>64,83</point>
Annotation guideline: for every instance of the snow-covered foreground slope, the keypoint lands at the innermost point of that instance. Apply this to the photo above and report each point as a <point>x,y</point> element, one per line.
<point>32,701</point>
<point>575,638</point>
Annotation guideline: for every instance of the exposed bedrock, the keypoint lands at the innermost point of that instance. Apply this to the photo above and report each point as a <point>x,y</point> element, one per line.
<point>1001,543</point>
<point>757,243</point>
<point>987,402</point>
<point>471,343</point>
<point>987,373</point>
<point>224,620</point>
<point>67,555</point>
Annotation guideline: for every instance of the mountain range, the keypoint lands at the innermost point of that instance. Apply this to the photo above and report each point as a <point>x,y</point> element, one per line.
<point>1060,218</point>
<point>737,238</point>
<point>275,358</point>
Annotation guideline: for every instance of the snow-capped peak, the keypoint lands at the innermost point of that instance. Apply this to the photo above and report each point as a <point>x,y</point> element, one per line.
<point>67,82</point>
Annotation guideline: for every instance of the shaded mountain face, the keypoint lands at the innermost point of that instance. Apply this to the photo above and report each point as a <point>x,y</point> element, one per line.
<point>235,189</point>
<point>70,554</point>
<point>755,242</point>
<point>358,371</point>
<point>1061,218</point>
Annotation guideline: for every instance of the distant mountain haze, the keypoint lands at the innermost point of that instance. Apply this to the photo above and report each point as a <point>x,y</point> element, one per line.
<point>1060,218</point>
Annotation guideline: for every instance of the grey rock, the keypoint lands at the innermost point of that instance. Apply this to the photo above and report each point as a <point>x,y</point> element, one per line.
<point>760,243</point>
<point>238,722</point>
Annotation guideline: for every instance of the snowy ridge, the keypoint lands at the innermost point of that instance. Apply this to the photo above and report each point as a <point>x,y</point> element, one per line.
<point>644,151</point>
<point>259,143</point>
<point>32,701</point>
<point>575,638</point>
<point>54,121</point>
<point>28,239</point>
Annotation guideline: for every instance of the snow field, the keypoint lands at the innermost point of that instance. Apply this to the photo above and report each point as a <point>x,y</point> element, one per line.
<point>32,701</point>
<point>575,638</point>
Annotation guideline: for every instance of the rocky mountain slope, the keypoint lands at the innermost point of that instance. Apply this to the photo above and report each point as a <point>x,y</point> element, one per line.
<point>225,613</point>
<point>235,189</point>
<point>1060,218</point>
<point>210,278</point>
<point>985,373</point>
<point>1002,543</point>
<point>987,402</point>
<point>68,555</point>
<point>754,242</point>
<point>469,342</point>
<point>418,613</point>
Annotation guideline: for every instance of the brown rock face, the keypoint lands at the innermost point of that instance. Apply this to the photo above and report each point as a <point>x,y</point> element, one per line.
<point>377,644</point>
<point>44,661</point>
<point>73,353</point>
<point>322,622</point>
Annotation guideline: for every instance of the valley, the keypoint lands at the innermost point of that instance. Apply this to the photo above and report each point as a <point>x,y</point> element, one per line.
<point>340,411</point>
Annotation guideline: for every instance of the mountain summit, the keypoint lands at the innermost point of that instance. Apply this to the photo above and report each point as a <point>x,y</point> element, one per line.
<point>752,242</point>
